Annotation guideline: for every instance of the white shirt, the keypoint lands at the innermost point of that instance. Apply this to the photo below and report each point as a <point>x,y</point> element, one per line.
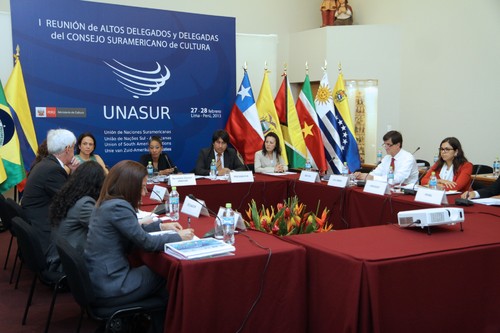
<point>405,168</point>
<point>221,159</point>
<point>445,173</point>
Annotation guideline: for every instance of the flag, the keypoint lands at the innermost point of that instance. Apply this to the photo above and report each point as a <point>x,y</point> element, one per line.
<point>15,92</point>
<point>310,129</point>
<point>243,125</point>
<point>336,127</point>
<point>296,150</point>
<point>267,114</point>
<point>11,164</point>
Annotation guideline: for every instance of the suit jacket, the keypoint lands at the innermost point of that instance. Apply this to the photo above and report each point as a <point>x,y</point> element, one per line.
<point>206,155</point>
<point>113,230</point>
<point>44,181</point>
<point>490,191</point>
<point>164,162</point>
<point>460,176</point>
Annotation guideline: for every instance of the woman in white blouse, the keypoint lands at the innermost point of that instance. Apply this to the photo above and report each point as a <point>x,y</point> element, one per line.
<point>269,159</point>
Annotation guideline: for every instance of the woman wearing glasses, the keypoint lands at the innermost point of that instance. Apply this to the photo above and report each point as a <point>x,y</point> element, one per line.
<point>453,171</point>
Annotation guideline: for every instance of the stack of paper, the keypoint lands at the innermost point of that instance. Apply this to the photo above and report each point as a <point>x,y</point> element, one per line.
<point>200,248</point>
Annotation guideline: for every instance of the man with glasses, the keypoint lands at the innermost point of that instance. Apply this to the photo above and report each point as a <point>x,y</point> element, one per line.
<point>403,163</point>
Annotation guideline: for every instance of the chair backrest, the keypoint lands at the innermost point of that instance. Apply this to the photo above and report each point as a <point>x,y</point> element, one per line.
<point>77,273</point>
<point>4,213</point>
<point>482,169</point>
<point>16,209</point>
<point>29,245</point>
<point>424,162</point>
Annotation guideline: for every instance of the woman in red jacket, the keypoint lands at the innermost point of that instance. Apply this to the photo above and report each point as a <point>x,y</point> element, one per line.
<point>452,169</point>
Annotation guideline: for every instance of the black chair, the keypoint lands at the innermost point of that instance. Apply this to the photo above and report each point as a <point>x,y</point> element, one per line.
<point>6,222</point>
<point>482,169</point>
<point>34,258</point>
<point>424,162</point>
<point>14,209</point>
<point>78,280</point>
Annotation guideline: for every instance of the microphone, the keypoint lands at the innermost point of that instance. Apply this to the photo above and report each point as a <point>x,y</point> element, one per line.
<point>241,159</point>
<point>211,232</point>
<point>418,148</point>
<point>466,201</point>
<point>327,176</point>
<point>412,191</point>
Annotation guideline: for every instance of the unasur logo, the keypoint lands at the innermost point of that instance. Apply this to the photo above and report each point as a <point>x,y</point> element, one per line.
<point>140,82</point>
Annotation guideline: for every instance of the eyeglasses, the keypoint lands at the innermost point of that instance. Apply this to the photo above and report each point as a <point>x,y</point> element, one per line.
<point>388,145</point>
<point>445,149</point>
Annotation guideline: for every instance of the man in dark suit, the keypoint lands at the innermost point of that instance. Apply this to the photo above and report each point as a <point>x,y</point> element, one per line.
<point>226,158</point>
<point>45,179</point>
<point>491,191</point>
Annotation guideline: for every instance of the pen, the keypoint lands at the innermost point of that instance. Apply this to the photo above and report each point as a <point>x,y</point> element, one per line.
<point>189,222</point>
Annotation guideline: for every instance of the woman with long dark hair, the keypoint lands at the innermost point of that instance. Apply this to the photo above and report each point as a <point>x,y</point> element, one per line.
<point>452,169</point>
<point>114,230</point>
<point>71,208</point>
<point>269,159</point>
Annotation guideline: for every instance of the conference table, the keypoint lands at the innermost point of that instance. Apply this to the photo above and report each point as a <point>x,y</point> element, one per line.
<point>389,279</point>
<point>261,288</point>
<point>372,277</point>
<point>265,190</point>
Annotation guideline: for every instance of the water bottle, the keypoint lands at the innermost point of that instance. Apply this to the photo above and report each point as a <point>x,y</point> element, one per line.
<point>496,167</point>
<point>150,169</point>
<point>228,224</point>
<point>433,182</point>
<point>308,165</point>
<point>345,170</point>
<point>213,170</point>
<point>173,204</point>
<point>436,158</point>
<point>390,177</point>
<point>379,156</point>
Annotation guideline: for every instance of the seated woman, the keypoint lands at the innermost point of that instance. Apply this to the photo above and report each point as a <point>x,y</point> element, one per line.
<point>161,162</point>
<point>71,208</point>
<point>269,159</point>
<point>114,230</point>
<point>452,169</point>
<point>85,146</point>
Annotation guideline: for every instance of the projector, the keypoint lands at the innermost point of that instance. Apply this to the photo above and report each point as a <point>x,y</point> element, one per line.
<point>430,217</point>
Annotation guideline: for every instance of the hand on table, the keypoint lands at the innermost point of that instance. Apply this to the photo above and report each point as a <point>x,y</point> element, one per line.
<point>186,234</point>
<point>171,226</point>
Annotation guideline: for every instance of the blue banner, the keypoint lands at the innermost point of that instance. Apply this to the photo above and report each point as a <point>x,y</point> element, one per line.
<point>125,74</point>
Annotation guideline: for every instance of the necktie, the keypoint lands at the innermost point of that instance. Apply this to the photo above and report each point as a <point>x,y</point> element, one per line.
<point>219,161</point>
<point>392,163</point>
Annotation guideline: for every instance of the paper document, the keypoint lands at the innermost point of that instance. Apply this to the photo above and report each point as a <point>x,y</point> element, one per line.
<point>487,201</point>
<point>199,248</point>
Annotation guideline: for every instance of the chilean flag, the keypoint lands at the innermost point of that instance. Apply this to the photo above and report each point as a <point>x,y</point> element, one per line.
<point>243,125</point>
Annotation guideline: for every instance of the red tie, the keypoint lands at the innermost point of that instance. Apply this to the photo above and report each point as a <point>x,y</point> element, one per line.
<point>392,163</point>
<point>219,161</point>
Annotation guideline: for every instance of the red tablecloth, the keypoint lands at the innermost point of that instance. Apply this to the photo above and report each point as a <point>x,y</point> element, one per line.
<point>216,294</point>
<point>267,190</point>
<point>387,279</point>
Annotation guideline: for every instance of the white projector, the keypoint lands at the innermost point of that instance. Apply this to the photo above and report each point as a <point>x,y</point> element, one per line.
<point>430,217</point>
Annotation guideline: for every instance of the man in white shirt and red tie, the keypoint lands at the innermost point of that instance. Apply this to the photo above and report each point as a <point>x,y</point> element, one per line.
<point>404,165</point>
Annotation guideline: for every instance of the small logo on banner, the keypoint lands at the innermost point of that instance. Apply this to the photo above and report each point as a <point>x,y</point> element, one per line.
<point>140,82</point>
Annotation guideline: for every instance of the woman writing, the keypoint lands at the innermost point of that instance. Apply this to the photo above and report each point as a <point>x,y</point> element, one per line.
<point>269,159</point>
<point>114,230</point>
<point>452,169</point>
<point>85,146</point>
<point>160,160</point>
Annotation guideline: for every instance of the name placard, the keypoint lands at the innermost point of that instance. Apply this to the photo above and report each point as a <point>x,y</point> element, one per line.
<point>431,196</point>
<point>158,193</point>
<point>338,181</point>
<point>184,179</point>
<point>241,177</point>
<point>193,208</point>
<point>309,176</point>
<point>238,220</point>
<point>375,187</point>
